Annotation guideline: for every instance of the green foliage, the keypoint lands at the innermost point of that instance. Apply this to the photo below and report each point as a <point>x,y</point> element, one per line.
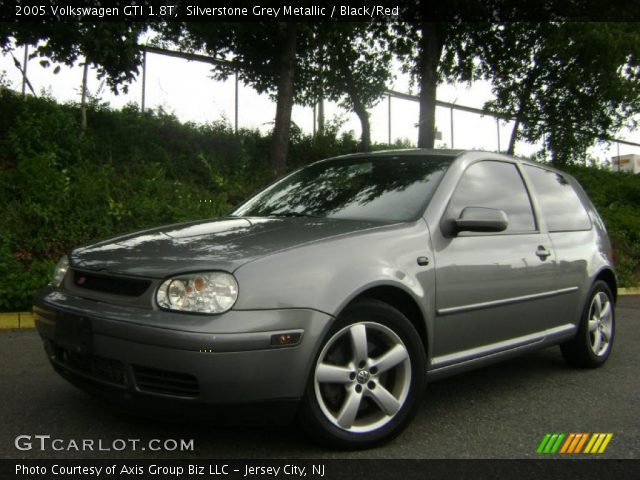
<point>349,63</point>
<point>569,84</point>
<point>617,197</point>
<point>112,47</point>
<point>19,282</point>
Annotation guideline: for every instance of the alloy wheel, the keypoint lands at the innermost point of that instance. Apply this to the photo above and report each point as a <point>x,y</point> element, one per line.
<point>362,377</point>
<point>600,323</point>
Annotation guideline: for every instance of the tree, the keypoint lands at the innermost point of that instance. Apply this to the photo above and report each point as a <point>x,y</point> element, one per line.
<point>350,64</point>
<point>567,83</point>
<point>112,47</point>
<point>265,56</point>
<point>435,45</point>
<point>287,37</point>
<point>449,41</point>
<point>295,62</point>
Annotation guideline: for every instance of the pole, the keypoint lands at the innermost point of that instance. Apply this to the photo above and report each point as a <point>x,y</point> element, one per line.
<point>236,105</point>
<point>314,119</point>
<point>144,78</point>
<point>618,148</point>
<point>451,119</point>
<point>24,69</point>
<point>321,116</point>
<point>389,116</point>
<point>498,130</point>
<point>83,97</point>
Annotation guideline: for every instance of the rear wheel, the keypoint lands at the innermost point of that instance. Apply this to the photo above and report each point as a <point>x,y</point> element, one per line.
<point>367,379</point>
<point>592,345</point>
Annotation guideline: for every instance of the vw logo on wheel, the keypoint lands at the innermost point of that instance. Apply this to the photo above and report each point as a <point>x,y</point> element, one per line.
<point>363,376</point>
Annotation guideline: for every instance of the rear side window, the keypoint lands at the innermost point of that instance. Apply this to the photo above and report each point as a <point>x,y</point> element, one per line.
<point>560,204</point>
<point>497,185</point>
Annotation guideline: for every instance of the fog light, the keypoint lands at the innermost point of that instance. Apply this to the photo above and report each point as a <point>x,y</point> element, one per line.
<point>284,339</point>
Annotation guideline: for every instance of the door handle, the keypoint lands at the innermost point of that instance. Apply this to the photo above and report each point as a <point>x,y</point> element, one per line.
<point>542,252</point>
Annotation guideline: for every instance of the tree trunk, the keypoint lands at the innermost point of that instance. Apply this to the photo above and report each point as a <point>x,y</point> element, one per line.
<point>358,107</point>
<point>83,97</point>
<point>365,139</point>
<point>553,144</point>
<point>287,64</point>
<point>514,134</point>
<point>523,104</point>
<point>431,45</point>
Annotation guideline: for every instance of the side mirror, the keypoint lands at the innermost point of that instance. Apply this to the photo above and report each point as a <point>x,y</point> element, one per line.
<point>480,219</point>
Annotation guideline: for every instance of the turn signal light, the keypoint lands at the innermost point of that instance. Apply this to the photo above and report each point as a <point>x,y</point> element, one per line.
<point>284,339</point>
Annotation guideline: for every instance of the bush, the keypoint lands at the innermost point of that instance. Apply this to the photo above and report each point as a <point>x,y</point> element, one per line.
<point>616,195</point>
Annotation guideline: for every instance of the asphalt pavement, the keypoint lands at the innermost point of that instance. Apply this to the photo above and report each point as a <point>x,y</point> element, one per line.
<point>502,411</point>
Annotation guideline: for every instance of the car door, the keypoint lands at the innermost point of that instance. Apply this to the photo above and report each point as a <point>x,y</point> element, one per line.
<point>493,290</point>
<point>571,234</point>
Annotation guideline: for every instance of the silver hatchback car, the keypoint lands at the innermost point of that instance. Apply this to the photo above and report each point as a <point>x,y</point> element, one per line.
<point>338,291</point>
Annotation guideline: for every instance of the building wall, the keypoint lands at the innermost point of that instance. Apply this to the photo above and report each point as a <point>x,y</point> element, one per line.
<point>626,163</point>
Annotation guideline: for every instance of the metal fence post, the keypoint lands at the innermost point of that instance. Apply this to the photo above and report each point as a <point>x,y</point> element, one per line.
<point>314,119</point>
<point>389,117</point>
<point>236,105</point>
<point>144,79</point>
<point>451,120</point>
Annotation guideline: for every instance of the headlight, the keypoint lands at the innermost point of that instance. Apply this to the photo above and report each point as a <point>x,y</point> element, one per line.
<point>60,271</point>
<point>210,292</point>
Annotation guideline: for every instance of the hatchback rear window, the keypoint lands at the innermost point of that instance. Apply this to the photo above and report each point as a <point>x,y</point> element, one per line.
<point>560,204</point>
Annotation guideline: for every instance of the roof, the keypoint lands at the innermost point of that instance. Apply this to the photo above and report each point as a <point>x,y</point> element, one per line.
<point>404,152</point>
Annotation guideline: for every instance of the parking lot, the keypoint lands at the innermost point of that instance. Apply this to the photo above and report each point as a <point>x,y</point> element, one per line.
<point>502,411</point>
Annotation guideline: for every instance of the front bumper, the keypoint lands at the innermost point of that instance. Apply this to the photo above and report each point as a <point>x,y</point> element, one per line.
<point>200,359</point>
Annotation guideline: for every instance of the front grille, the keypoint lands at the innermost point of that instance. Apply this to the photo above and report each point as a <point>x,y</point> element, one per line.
<point>166,382</point>
<point>96,367</point>
<point>131,287</point>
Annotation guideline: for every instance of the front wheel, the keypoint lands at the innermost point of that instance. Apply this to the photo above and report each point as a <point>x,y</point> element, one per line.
<point>367,379</point>
<point>592,345</point>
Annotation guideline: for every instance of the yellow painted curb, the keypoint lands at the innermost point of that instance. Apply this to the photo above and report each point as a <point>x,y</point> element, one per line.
<point>9,320</point>
<point>16,320</point>
<point>629,291</point>
<point>26,320</point>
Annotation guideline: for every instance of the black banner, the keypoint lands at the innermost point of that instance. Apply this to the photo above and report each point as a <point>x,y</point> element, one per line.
<point>318,10</point>
<point>320,469</point>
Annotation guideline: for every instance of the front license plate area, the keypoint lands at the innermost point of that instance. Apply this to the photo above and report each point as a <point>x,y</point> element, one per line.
<point>74,333</point>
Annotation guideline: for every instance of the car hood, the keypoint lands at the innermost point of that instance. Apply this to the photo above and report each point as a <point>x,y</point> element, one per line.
<point>223,244</point>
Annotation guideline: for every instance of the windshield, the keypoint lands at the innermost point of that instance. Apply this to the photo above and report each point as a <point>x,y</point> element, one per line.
<point>386,189</point>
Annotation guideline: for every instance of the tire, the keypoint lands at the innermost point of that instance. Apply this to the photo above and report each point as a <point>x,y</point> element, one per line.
<point>592,345</point>
<point>367,378</point>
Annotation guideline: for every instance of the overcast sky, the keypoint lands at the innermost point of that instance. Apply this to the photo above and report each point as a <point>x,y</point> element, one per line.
<point>186,89</point>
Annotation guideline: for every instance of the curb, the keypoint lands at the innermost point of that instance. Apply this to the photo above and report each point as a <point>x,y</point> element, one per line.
<point>16,320</point>
<point>25,319</point>
<point>629,291</point>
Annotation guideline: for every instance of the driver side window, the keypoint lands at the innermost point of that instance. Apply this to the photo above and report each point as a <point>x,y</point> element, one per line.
<point>497,185</point>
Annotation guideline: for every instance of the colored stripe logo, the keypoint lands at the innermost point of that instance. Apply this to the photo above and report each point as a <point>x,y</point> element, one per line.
<point>573,443</point>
